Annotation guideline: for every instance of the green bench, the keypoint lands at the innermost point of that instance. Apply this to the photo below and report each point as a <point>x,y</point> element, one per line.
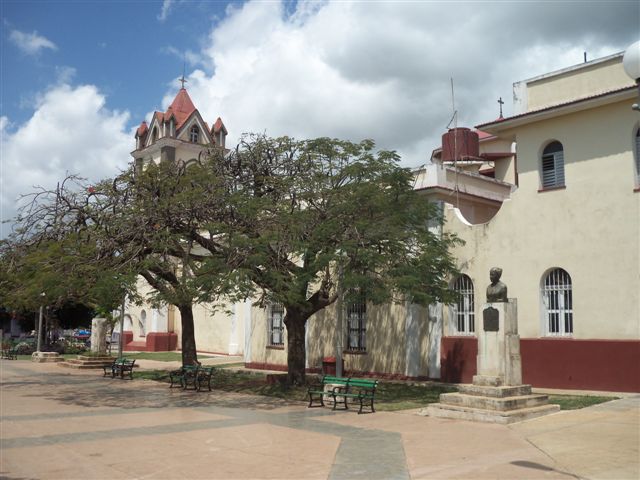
<point>362,390</point>
<point>10,353</point>
<point>195,376</point>
<point>119,367</point>
<point>319,389</point>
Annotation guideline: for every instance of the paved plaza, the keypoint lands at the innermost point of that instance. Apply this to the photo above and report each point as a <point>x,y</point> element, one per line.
<point>67,424</point>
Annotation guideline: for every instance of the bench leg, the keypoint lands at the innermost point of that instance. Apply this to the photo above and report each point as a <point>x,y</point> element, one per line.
<point>335,400</point>
<point>311,401</point>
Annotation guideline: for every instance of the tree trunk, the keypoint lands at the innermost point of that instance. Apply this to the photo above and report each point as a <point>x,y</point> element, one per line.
<point>296,351</point>
<point>189,355</point>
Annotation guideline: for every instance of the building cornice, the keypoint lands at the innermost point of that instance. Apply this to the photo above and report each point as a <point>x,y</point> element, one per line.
<point>573,106</point>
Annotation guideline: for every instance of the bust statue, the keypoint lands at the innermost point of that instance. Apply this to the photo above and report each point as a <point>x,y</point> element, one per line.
<point>497,291</point>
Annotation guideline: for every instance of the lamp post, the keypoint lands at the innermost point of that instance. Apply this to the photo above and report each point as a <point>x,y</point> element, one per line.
<point>39,340</point>
<point>120,339</point>
<point>339,322</point>
<point>631,64</point>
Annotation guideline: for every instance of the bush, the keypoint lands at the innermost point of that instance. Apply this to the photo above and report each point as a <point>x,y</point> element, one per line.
<point>71,346</point>
<point>24,348</point>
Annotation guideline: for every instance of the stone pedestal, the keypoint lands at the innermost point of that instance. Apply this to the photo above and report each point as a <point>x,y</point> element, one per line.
<point>498,361</point>
<point>497,394</point>
<point>99,336</point>
<point>45,357</point>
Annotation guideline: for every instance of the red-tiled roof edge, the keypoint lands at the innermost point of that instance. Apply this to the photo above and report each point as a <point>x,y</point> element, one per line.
<point>219,125</point>
<point>557,105</point>
<point>142,129</point>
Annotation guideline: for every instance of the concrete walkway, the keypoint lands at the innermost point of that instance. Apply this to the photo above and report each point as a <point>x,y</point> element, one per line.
<point>67,424</point>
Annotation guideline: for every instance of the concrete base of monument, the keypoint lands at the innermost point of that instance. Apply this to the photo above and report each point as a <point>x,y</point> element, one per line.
<point>491,404</point>
<point>46,357</point>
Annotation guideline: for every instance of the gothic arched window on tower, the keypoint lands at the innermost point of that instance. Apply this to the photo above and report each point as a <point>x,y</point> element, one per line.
<point>193,134</point>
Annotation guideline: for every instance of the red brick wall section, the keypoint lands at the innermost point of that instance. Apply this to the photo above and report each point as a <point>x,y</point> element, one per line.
<point>458,359</point>
<point>161,342</point>
<point>346,373</point>
<point>127,336</point>
<point>608,365</point>
<point>266,366</point>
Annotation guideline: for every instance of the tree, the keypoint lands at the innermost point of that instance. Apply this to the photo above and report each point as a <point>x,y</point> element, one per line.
<point>279,216</point>
<point>126,220</point>
<point>60,274</point>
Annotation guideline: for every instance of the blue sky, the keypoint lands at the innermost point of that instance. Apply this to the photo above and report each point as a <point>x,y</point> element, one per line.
<point>77,77</point>
<point>122,47</point>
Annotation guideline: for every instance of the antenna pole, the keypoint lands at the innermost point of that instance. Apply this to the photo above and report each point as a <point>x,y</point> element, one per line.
<point>455,141</point>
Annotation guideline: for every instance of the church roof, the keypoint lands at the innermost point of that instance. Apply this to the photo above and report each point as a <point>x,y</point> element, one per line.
<point>219,126</point>
<point>182,107</point>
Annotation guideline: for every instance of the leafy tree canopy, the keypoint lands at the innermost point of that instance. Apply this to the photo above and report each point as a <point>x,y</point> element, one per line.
<point>279,216</point>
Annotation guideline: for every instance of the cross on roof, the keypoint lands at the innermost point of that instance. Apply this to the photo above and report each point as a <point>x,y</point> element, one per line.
<point>183,80</point>
<point>501,103</point>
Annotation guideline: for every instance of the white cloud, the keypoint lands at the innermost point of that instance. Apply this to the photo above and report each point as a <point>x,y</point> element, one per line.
<point>382,70</point>
<point>190,57</point>
<point>165,10</point>
<point>70,131</point>
<point>31,43</point>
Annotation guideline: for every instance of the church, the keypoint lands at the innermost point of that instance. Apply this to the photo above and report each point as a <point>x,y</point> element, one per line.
<point>551,195</point>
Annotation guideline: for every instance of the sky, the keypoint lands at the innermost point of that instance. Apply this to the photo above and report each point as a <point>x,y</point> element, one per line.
<point>77,77</point>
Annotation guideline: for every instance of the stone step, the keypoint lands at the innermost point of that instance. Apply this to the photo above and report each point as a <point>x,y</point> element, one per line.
<point>82,366</point>
<point>46,357</point>
<point>497,392</point>
<point>440,410</point>
<point>103,358</point>
<point>503,404</point>
<point>87,362</point>
<point>90,362</point>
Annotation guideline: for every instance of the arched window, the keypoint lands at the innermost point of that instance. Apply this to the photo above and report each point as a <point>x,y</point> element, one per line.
<point>357,325</point>
<point>637,154</point>
<point>276,325</point>
<point>464,308</point>
<point>552,166</point>
<point>557,303</point>
<point>193,134</point>
<point>154,135</point>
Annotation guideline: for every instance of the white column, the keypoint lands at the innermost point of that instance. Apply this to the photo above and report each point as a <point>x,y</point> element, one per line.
<point>159,321</point>
<point>434,333</point>
<point>233,334</point>
<point>248,331</point>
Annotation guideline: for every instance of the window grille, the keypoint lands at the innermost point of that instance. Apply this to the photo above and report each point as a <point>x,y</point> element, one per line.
<point>464,308</point>
<point>193,134</point>
<point>553,165</point>
<point>557,297</point>
<point>357,326</point>
<point>276,324</point>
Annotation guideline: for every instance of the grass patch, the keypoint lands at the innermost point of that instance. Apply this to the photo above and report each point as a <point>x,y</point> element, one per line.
<point>158,356</point>
<point>394,396</point>
<point>389,396</point>
<point>575,402</point>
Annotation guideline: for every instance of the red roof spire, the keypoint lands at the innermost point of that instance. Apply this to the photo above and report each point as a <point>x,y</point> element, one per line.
<point>142,129</point>
<point>181,107</point>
